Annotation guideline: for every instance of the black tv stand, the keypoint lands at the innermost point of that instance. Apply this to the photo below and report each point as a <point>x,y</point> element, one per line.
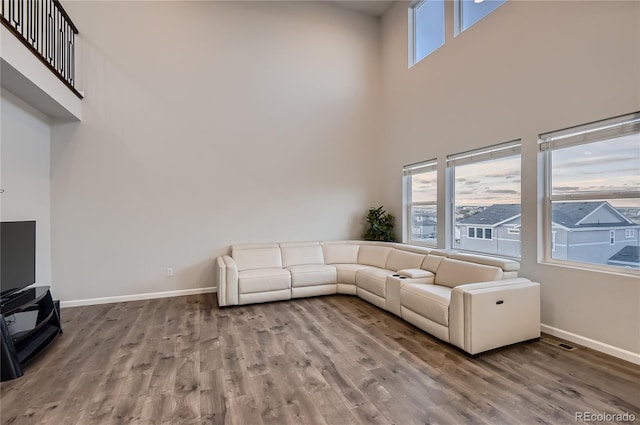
<point>29,322</point>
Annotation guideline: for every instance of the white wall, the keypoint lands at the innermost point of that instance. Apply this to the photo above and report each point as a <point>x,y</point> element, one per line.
<point>528,68</point>
<point>207,124</point>
<point>24,174</point>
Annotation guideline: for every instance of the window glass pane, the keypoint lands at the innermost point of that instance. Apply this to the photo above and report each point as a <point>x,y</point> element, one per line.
<point>424,187</point>
<point>596,231</point>
<point>471,12</point>
<point>422,213</point>
<point>606,166</point>
<point>424,224</point>
<point>487,193</point>
<point>428,28</point>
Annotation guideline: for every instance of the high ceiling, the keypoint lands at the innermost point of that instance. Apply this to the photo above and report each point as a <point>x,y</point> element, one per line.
<point>373,8</point>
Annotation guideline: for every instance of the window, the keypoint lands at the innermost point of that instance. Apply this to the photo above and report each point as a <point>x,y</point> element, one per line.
<point>592,190</point>
<point>420,218</point>
<point>426,29</point>
<point>468,12</point>
<point>514,231</point>
<point>486,199</point>
<point>479,233</point>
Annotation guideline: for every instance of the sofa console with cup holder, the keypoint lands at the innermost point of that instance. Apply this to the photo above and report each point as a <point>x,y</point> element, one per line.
<point>475,302</point>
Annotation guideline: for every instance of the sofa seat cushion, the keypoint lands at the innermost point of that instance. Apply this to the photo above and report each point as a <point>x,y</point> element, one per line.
<point>374,280</point>
<point>347,272</point>
<point>429,301</point>
<point>312,274</point>
<point>263,280</point>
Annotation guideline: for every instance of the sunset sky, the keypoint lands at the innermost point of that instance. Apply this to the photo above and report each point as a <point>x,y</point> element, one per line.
<point>610,165</point>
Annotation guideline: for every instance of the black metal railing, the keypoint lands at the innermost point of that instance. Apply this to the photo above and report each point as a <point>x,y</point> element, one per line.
<point>44,27</point>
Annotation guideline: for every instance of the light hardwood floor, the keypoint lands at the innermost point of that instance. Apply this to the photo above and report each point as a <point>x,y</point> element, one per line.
<point>325,360</point>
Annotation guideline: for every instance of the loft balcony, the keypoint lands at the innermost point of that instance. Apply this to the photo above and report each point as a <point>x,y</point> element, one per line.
<point>37,52</point>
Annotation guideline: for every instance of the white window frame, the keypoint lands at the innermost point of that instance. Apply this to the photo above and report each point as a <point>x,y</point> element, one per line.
<point>407,172</point>
<point>499,151</point>
<point>629,233</point>
<point>574,136</point>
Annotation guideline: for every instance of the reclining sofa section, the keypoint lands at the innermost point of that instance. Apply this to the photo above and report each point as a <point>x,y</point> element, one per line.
<point>474,302</point>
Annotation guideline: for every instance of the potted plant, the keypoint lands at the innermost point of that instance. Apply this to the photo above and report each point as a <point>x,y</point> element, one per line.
<point>380,225</point>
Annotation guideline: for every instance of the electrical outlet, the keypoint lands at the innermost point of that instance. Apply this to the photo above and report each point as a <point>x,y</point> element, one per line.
<point>170,271</point>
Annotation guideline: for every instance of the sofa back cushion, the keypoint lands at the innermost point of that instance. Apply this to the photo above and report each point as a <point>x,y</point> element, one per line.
<point>399,260</point>
<point>340,253</point>
<point>503,263</point>
<point>452,273</point>
<point>298,253</point>
<point>372,255</point>
<point>431,262</point>
<point>263,256</point>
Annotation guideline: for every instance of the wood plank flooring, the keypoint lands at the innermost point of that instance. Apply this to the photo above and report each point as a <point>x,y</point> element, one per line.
<point>326,360</point>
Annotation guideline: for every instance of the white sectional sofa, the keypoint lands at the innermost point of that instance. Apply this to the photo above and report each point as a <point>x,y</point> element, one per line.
<point>474,302</point>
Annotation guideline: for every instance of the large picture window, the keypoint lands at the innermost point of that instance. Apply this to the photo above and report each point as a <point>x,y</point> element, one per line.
<point>486,199</point>
<point>420,217</point>
<point>592,193</point>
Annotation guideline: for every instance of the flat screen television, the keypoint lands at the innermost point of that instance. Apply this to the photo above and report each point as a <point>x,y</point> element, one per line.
<point>17,255</point>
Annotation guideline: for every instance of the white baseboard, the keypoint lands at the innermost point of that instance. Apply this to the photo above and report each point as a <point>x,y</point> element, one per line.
<point>620,353</point>
<point>137,297</point>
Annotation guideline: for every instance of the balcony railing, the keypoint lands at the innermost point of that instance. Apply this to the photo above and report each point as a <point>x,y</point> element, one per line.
<point>44,27</point>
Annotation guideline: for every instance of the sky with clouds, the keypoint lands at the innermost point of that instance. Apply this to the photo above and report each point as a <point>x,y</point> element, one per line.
<point>610,165</point>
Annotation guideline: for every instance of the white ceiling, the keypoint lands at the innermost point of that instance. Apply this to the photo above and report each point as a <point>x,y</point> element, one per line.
<point>368,7</point>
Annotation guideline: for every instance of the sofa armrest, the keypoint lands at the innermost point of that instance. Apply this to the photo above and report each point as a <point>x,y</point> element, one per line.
<point>488,315</point>
<point>227,274</point>
<point>467,287</point>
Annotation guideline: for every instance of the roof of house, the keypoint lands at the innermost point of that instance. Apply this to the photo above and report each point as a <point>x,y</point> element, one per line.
<point>628,254</point>
<point>567,214</point>
<point>493,214</point>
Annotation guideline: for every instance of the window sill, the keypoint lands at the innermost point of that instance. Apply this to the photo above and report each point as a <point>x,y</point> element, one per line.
<point>596,268</point>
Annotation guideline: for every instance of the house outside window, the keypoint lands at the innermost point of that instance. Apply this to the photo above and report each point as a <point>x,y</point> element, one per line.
<point>592,193</point>
<point>486,192</point>
<point>420,216</point>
